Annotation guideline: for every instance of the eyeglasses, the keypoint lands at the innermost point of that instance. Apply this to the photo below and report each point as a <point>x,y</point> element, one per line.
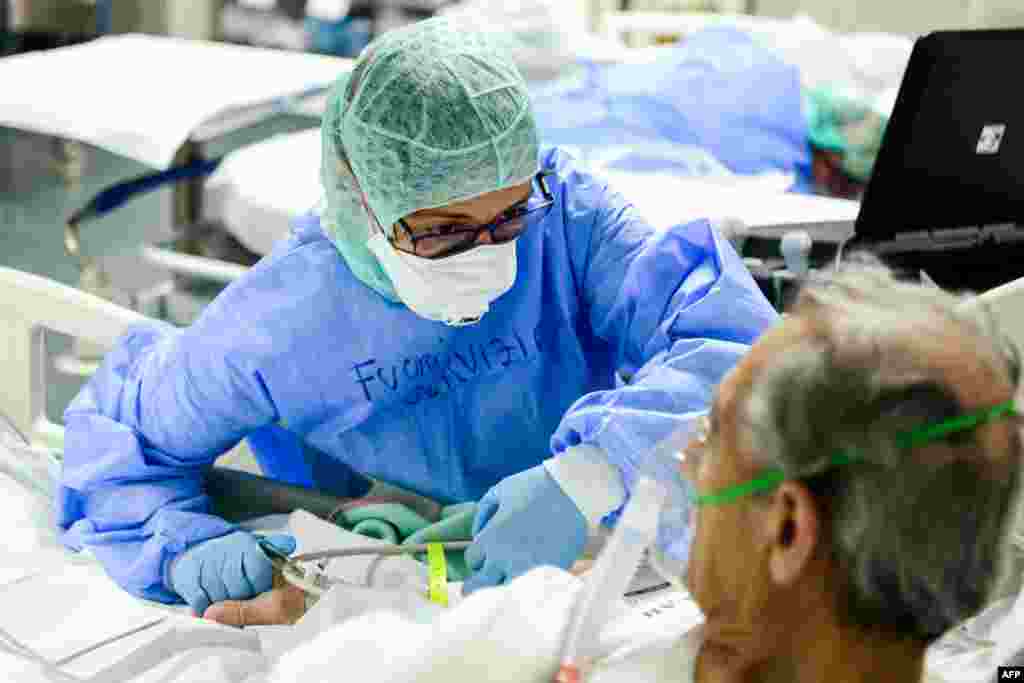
<point>769,478</point>
<point>449,240</point>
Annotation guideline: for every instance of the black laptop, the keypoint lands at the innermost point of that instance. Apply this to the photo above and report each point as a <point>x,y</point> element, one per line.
<point>947,191</point>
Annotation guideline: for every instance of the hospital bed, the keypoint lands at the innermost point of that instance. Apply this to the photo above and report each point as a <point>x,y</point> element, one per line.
<point>76,624</point>
<point>139,641</point>
<point>101,633</point>
<point>185,102</point>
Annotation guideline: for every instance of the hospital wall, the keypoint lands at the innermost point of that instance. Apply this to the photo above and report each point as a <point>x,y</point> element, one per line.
<point>905,16</point>
<point>145,16</point>
<point>51,15</point>
<point>909,16</point>
<point>197,18</point>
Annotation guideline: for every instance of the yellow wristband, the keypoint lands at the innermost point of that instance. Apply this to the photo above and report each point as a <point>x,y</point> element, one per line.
<point>437,588</point>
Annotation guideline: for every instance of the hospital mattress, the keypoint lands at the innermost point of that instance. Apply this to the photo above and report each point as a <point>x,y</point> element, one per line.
<point>168,103</point>
<point>258,189</point>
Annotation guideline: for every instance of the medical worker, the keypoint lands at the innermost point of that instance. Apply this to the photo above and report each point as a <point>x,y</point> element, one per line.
<point>467,316</point>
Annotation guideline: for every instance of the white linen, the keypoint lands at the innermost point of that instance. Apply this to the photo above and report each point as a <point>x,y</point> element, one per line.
<point>257,190</point>
<point>510,633</point>
<point>67,610</point>
<point>755,201</point>
<point>140,96</point>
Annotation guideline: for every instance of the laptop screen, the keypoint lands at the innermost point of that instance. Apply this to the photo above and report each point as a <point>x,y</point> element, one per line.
<point>953,153</point>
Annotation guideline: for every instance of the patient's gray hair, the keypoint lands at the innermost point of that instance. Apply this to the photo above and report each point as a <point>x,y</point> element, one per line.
<point>920,536</point>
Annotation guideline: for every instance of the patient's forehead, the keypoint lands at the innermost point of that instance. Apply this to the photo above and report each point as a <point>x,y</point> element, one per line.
<point>768,349</point>
<point>737,385</point>
<point>947,351</point>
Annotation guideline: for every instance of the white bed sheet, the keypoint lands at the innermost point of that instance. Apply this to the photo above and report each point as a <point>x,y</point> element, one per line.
<point>140,96</point>
<point>754,201</point>
<point>179,649</point>
<point>63,607</point>
<point>257,190</point>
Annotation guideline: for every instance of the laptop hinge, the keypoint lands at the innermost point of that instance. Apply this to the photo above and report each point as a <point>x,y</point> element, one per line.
<point>903,242</point>
<point>1002,233</point>
<point>956,238</point>
<point>950,239</point>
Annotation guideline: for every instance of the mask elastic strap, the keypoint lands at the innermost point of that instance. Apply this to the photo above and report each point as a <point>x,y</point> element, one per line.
<point>960,423</point>
<point>369,211</point>
<point>772,477</point>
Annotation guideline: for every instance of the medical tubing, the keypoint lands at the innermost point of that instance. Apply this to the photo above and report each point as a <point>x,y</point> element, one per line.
<point>291,574</point>
<point>607,582</point>
<point>411,549</point>
<point>294,574</point>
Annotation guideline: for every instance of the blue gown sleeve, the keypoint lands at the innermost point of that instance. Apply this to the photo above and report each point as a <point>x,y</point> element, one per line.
<point>677,308</point>
<point>163,405</point>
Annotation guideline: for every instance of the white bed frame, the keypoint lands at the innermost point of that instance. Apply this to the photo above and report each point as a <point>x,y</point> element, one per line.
<point>29,307</point>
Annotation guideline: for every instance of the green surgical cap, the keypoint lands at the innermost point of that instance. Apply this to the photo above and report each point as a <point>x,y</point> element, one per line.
<point>431,114</point>
<point>845,121</point>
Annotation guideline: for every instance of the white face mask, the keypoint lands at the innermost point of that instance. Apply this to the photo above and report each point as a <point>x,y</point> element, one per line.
<point>456,290</point>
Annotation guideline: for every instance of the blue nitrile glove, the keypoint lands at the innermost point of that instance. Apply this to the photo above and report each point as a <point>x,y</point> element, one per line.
<point>524,521</point>
<point>232,567</point>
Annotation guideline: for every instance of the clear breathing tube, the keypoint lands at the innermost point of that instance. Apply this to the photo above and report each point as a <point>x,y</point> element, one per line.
<point>657,526</point>
<point>610,577</point>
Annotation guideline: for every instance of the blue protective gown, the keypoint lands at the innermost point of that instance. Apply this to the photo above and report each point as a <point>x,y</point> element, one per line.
<point>627,328</point>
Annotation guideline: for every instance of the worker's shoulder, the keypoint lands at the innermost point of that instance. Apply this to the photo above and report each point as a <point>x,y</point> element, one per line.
<point>317,254</point>
<point>303,278</point>
<point>307,250</point>
<point>561,166</point>
<point>575,184</point>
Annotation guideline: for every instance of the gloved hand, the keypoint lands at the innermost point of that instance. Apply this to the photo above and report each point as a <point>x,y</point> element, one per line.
<point>232,567</point>
<point>524,521</point>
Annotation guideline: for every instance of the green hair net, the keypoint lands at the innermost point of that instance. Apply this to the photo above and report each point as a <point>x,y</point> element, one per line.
<point>432,114</point>
<point>845,121</point>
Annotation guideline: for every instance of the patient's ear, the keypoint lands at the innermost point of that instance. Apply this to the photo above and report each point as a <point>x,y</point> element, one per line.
<point>790,527</point>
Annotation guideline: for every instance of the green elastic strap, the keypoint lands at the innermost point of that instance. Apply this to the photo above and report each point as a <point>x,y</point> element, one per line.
<point>961,423</point>
<point>769,479</point>
<point>773,476</point>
